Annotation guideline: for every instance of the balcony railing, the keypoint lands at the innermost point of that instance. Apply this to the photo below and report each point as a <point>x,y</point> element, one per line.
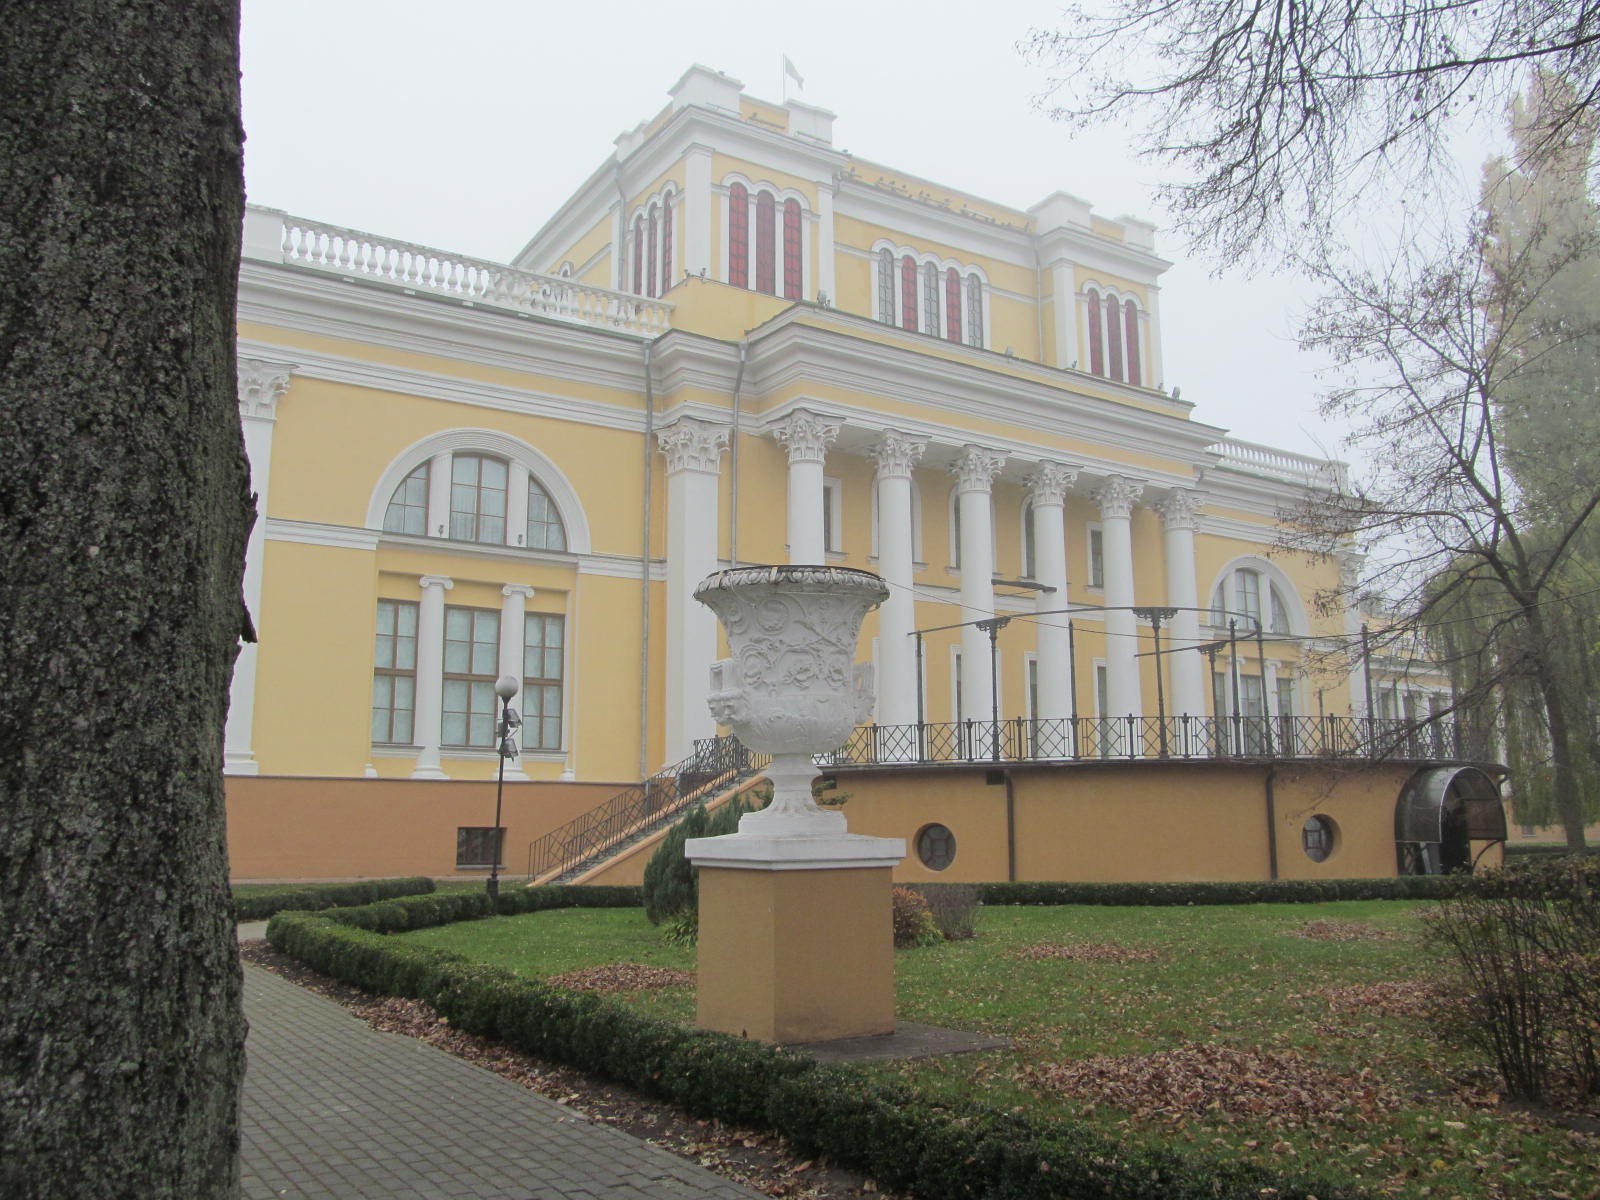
<point>1283,464</point>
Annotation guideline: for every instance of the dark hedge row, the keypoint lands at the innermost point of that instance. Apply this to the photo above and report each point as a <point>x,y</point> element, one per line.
<point>901,1137</point>
<point>1546,850</point>
<point>1277,891</point>
<point>313,897</point>
<point>443,908</point>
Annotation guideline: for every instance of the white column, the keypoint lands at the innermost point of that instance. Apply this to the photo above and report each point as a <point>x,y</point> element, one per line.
<point>261,386</point>
<point>1179,511</point>
<point>1116,498</point>
<point>1350,562</point>
<point>825,250</point>
<point>694,458</point>
<point>897,456</point>
<point>439,495</point>
<point>1064,290</point>
<point>697,201</point>
<point>1048,492</point>
<point>808,437</point>
<point>430,676</point>
<point>975,471</point>
<point>513,629</point>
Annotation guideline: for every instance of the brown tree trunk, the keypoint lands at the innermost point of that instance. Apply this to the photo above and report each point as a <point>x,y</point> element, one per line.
<point>123,512</point>
<point>1564,777</point>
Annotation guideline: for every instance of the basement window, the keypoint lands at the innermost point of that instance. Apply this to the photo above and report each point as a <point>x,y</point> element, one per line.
<point>936,847</point>
<point>1317,837</point>
<point>476,846</point>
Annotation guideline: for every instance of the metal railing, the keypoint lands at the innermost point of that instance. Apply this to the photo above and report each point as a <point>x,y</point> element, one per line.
<point>716,763</point>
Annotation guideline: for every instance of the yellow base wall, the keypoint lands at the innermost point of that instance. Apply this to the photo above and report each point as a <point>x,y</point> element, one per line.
<point>796,956</point>
<point>372,828</point>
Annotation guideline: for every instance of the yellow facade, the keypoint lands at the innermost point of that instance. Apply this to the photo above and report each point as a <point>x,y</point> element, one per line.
<point>467,470</point>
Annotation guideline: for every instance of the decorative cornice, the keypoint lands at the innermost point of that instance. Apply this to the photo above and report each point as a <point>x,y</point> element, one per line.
<point>1050,482</point>
<point>692,445</point>
<point>262,384</point>
<point>807,436</point>
<point>897,454</point>
<point>1117,496</point>
<point>976,468</point>
<point>1180,508</point>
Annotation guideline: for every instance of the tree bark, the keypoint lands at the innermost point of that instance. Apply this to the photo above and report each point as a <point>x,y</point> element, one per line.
<point>124,507</point>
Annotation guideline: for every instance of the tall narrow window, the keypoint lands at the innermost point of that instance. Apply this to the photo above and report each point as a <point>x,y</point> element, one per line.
<point>638,256</point>
<point>738,236</point>
<point>1030,556</point>
<point>1102,691</point>
<point>930,299</point>
<point>1131,320</point>
<point>471,660</point>
<point>952,304</point>
<point>791,250</point>
<point>1285,696</point>
<point>1097,351</point>
<point>545,531</point>
<point>908,293</point>
<point>886,286</point>
<point>974,310</point>
<point>766,244</point>
<point>542,649</point>
<point>478,498</point>
<point>1113,337</point>
<point>1278,614</point>
<point>408,507</point>
<point>650,254</point>
<point>1097,558</point>
<point>666,243</point>
<point>1247,593</point>
<point>394,672</point>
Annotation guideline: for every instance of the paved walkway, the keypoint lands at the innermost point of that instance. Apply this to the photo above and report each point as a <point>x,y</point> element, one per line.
<point>335,1110</point>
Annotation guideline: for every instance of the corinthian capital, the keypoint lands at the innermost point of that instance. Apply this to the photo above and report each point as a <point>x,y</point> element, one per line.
<point>807,435</point>
<point>692,445</point>
<point>976,468</point>
<point>1117,496</point>
<point>261,385</point>
<point>1050,482</point>
<point>897,454</point>
<point>1180,508</point>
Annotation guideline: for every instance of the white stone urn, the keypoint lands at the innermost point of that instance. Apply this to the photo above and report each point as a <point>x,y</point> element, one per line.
<point>792,688</point>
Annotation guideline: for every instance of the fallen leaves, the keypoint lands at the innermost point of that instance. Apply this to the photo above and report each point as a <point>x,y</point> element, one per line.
<point>1327,930</point>
<point>622,977</point>
<point>1409,998</point>
<point>1087,952</point>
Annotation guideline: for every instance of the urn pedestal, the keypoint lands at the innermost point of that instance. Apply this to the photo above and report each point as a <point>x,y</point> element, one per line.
<point>796,932</point>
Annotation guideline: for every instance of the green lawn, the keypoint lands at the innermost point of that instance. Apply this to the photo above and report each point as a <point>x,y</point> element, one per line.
<point>1238,977</point>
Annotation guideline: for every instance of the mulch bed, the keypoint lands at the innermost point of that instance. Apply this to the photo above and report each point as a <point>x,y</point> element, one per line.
<point>760,1161</point>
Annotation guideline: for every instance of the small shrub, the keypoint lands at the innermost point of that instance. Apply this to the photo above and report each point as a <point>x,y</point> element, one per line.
<point>954,907</point>
<point>682,928</point>
<point>671,882</point>
<point>913,922</point>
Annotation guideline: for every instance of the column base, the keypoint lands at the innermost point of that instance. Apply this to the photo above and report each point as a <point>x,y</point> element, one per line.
<point>796,936</point>
<point>240,763</point>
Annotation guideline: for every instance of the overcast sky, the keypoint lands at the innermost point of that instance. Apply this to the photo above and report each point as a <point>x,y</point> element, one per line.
<point>464,125</point>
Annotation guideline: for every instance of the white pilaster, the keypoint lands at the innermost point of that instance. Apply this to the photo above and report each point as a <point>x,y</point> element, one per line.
<point>975,471</point>
<point>1350,562</point>
<point>1179,511</point>
<point>513,630</point>
<point>430,676</point>
<point>439,495</point>
<point>807,437</point>
<point>697,202</point>
<point>1116,498</point>
<point>1064,289</point>
<point>825,249</point>
<point>897,456</point>
<point>1048,487</point>
<point>261,385</point>
<point>1152,338</point>
<point>694,458</point>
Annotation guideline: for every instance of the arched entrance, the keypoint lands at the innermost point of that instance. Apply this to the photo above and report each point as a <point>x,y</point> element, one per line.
<point>1441,812</point>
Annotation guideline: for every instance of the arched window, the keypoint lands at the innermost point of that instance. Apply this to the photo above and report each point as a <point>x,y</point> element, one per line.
<point>408,510</point>
<point>930,299</point>
<point>650,254</point>
<point>738,236</point>
<point>1097,351</point>
<point>478,498</point>
<point>886,286</point>
<point>1113,338</point>
<point>1131,321</point>
<point>952,304</point>
<point>908,293</point>
<point>974,310</point>
<point>638,256</point>
<point>666,242</point>
<point>545,531</point>
<point>1030,552</point>
<point>766,244</point>
<point>791,250</point>
<point>1249,594</point>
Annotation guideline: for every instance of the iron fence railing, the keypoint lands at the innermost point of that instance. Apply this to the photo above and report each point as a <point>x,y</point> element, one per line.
<point>716,763</point>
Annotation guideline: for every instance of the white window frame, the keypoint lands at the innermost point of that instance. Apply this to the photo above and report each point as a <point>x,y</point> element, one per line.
<point>1093,530</point>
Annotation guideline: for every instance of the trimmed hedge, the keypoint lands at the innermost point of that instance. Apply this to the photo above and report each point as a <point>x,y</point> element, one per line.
<point>903,1138</point>
<point>1538,850</point>
<point>1277,891</point>
<point>316,896</point>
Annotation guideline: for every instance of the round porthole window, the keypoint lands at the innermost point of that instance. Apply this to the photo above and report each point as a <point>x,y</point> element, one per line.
<point>1318,836</point>
<point>936,847</point>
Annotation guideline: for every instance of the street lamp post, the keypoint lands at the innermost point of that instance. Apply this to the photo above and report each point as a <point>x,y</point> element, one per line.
<point>506,687</point>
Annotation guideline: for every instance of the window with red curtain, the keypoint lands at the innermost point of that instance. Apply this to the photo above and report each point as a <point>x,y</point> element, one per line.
<point>666,242</point>
<point>908,293</point>
<point>650,255</point>
<point>766,244</point>
<point>1113,337</point>
<point>1097,353</point>
<point>1133,341</point>
<point>638,256</point>
<point>739,236</point>
<point>791,250</point>
<point>952,304</point>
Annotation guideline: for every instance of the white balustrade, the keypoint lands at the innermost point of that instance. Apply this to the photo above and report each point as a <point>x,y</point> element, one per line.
<point>1282,464</point>
<point>355,255</point>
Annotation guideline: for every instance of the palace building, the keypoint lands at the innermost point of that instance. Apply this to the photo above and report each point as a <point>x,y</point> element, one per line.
<point>738,344</point>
